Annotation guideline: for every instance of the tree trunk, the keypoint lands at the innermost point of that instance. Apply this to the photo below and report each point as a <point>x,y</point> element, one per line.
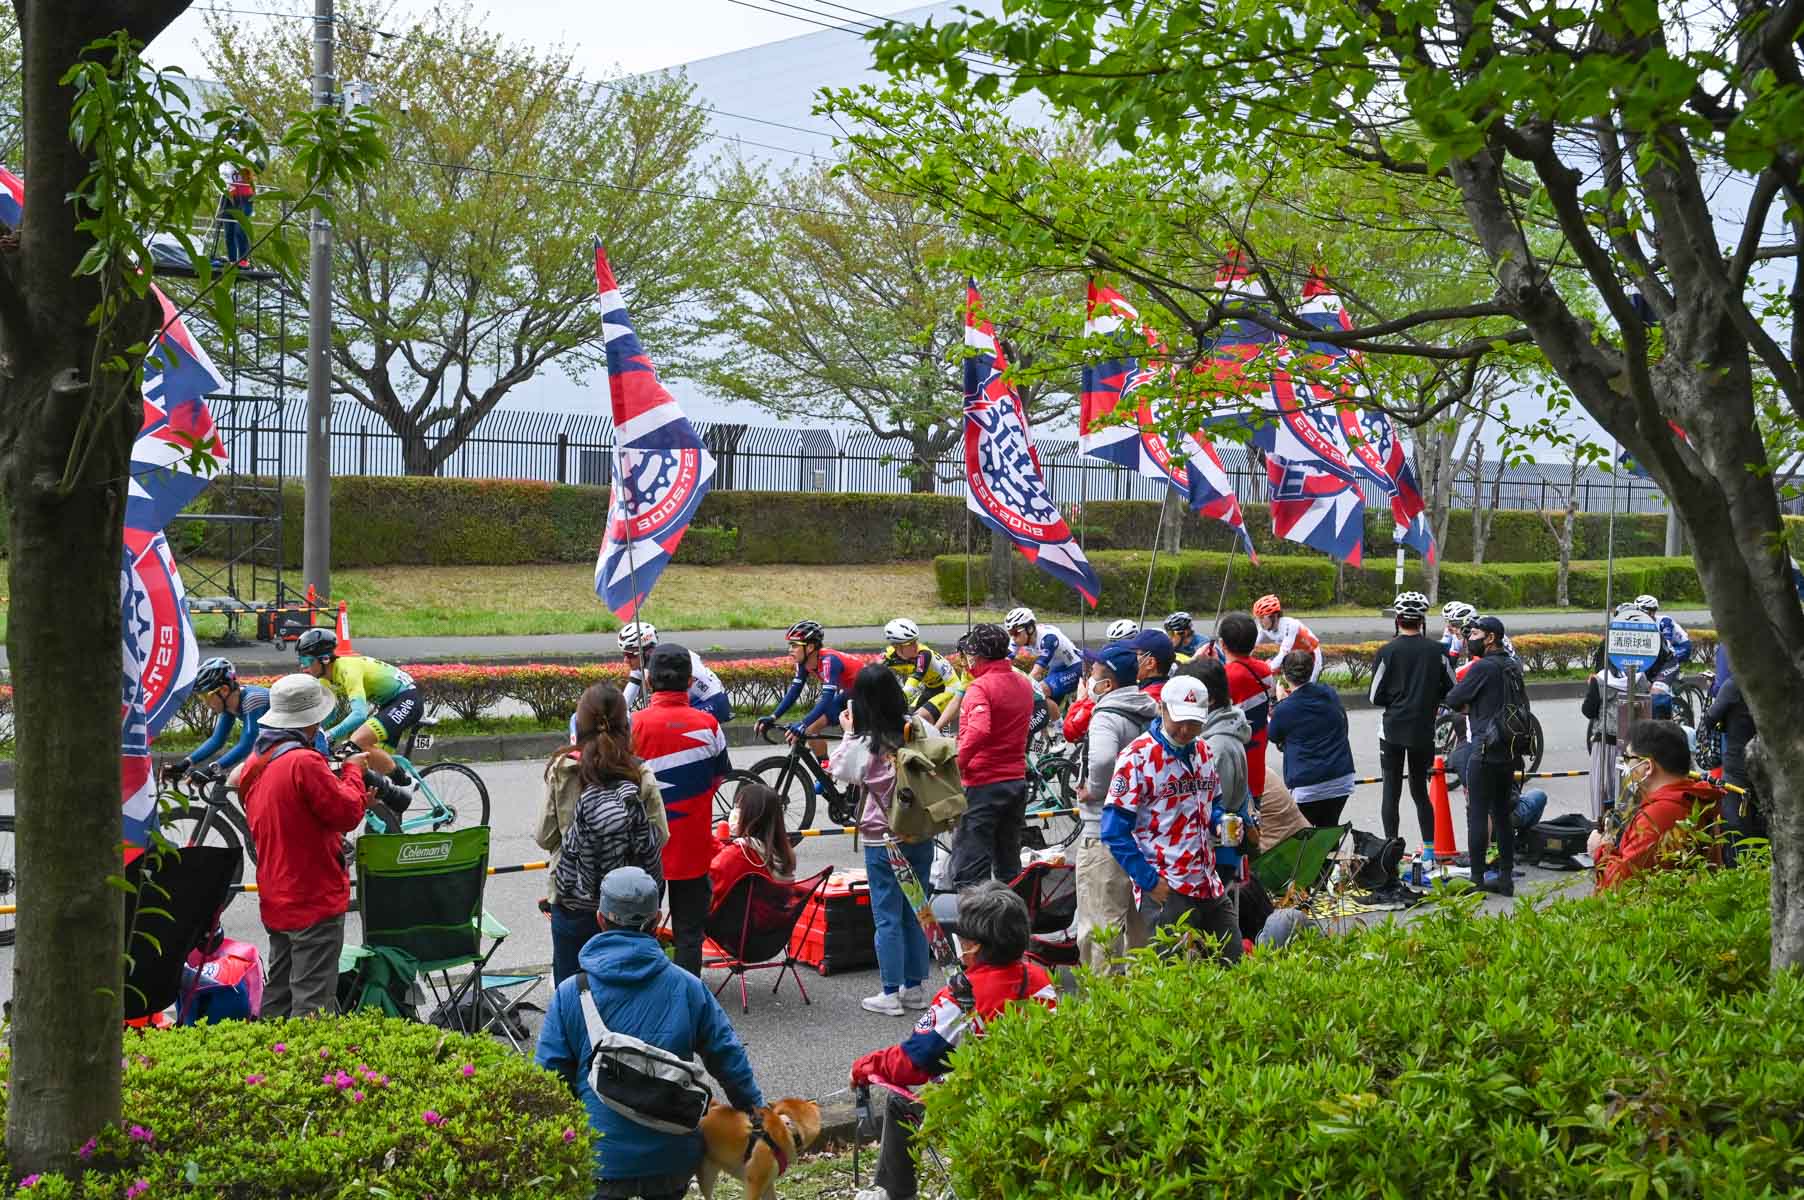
<point>1482,513</point>
<point>1562,595</point>
<point>417,456</point>
<point>1002,562</point>
<point>921,479</point>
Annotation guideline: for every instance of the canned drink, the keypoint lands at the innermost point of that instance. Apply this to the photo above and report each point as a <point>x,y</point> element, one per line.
<point>1233,828</point>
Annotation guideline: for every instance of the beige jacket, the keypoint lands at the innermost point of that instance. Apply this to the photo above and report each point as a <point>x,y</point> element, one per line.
<point>1279,816</point>
<point>563,787</point>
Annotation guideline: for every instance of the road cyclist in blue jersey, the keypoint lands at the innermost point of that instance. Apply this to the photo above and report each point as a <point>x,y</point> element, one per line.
<point>237,707</point>
<point>814,661</point>
<point>1058,664</point>
<point>1678,644</point>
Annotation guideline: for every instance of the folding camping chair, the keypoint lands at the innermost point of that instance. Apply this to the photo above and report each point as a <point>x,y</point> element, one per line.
<point>1300,859</point>
<point>753,923</point>
<point>176,901</point>
<point>1050,892</point>
<point>422,893</point>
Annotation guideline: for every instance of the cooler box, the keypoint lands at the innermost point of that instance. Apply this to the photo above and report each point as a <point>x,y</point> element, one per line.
<point>836,932</point>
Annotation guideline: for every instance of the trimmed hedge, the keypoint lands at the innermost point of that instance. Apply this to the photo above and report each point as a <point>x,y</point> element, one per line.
<point>1633,1044</point>
<point>1193,580</point>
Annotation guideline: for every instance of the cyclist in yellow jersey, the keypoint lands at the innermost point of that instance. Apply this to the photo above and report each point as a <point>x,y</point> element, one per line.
<point>381,705</point>
<point>922,673</point>
<point>956,683</point>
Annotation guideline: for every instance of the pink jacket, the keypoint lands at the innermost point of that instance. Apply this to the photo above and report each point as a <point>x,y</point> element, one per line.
<point>992,724</point>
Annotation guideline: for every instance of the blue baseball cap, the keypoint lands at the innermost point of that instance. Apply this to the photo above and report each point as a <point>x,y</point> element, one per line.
<point>1157,644</point>
<point>1119,658</point>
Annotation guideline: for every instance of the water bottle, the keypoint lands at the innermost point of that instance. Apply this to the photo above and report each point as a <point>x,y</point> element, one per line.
<point>1425,866</point>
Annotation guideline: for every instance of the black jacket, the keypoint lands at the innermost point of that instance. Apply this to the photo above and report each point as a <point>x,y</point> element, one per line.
<point>1483,693</point>
<point>1731,714</point>
<point>1409,679</point>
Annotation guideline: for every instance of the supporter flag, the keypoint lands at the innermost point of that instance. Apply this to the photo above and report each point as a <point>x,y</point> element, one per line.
<point>1633,467</point>
<point>661,470</point>
<point>178,450</point>
<point>1004,485</point>
<point>1376,450</point>
<point>1202,480</point>
<point>12,198</point>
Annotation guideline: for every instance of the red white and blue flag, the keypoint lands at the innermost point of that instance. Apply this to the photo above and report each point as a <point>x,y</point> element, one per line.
<point>12,199</point>
<point>1107,386</point>
<point>661,469</point>
<point>178,450</point>
<point>1004,484</point>
<point>161,653</point>
<point>1375,450</point>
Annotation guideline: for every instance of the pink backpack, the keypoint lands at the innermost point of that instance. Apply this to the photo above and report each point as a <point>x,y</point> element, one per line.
<point>221,984</point>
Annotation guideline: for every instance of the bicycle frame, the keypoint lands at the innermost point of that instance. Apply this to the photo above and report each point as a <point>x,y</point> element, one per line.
<point>435,812</point>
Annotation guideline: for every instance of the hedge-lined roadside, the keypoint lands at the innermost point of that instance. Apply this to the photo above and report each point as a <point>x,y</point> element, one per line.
<point>1193,580</point>
<point>386,521</point>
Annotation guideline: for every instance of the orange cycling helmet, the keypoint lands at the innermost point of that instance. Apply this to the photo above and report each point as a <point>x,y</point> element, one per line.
<point>1267,606</point>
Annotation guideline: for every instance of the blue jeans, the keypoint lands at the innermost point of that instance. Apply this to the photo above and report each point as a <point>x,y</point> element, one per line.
<point>238,242</point>
<point>1530,804</point>
<point>570,932</point>
<point>901,946</point>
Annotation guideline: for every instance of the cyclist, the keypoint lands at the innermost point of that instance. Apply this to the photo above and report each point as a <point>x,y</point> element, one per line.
<point>1186,642</point>
<point>956,683</point>
<point>216,683</point>
<point>1057,662</point>
<point>381,706</point>
<point>833,669</point>
<point>706,694</point>
<point>1121,631</point>
<point>1286,633</point>
<point>1455,616</point>
<point>922,673</point>
<point>1672,634</point>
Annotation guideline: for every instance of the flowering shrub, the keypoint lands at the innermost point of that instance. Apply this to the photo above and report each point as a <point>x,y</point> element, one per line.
<point>365,1105</point>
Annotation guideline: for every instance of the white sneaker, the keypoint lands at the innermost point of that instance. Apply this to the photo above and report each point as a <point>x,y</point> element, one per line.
<point>886,1003</point>
<point>914,997</point>
<point>872,1193</point>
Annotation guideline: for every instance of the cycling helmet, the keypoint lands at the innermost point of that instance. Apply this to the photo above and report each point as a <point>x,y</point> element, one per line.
<point>317,643</point>
<point>806,631</point>
<point>1631,610</point>
<point>1647,604</point>
<point>1177,622</point>
<point>1410,604</point>
<point>1018,618</point>
<point>1121,630</point>
<point>988,641</point>
<point>1457,612</point>
<point>901,630</point>
<point>637,636</point>
<point>1267,606</point>
<point>214,674</point>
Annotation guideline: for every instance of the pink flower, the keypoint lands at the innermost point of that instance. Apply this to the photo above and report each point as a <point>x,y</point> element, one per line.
<point>342,1081</point>
<point>432,1118</point>
<point>569,1136</point>
<point>254,1080</point>
<point>279,1048</point>
<point>469,1070</point>
<point>141,1134</point>
<point>356,1097</point>
<point>137,1189</point>
<point>87,1150</point>
<point>28,1181</point>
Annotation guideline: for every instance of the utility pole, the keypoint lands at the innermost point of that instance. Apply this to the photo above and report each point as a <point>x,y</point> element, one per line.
<point>316,560</point>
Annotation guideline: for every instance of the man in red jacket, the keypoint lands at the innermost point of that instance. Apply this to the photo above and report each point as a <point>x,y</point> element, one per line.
<point>685,748</point>
<point>1673,816</point>
<point>992,761</point>
<point>298,812</point>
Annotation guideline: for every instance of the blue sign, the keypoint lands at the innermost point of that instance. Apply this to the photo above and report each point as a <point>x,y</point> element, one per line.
<point>1633,644</point>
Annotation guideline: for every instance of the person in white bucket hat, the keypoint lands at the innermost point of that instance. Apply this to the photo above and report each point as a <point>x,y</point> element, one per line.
<point>299,812</point>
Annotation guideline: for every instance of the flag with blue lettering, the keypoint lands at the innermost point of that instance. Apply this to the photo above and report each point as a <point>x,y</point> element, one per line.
<point>661,469</point>
<point>1004,484</point>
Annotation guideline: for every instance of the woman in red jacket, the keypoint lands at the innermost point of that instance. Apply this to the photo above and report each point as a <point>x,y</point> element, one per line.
<point>992,761</point>
<point>758,845</point>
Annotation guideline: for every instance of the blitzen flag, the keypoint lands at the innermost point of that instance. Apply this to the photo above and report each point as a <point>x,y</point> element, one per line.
<point>661,470</point>
<point>1004,484</point>
<point>1202,480</point>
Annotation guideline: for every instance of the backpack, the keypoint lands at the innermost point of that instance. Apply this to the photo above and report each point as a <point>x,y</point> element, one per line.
<point>1512,731</point>
<point>221,981</point>
<point>929,797</point>
<point>646,1084</point>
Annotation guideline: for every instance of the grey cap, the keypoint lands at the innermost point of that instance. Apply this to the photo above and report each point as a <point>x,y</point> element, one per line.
<point>629,897</point>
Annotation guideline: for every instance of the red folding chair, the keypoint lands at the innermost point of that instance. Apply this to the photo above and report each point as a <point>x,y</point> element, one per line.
<point>1050,892</point>
<point>753,923</point>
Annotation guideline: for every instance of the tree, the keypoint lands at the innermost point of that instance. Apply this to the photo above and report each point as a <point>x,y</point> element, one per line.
<point>112,152</point>
<point>466,267</point>
<point>1579,146</point>
<point>1441,458</point>
<point>12,66</point>
<point>1562,529</point>
<point>1485,494</point>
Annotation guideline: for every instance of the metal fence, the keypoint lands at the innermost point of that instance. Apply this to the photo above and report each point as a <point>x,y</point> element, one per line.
<point>578,448</point>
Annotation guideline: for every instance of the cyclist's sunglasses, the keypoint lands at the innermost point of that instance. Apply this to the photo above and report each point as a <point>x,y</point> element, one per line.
<point>307,660</point>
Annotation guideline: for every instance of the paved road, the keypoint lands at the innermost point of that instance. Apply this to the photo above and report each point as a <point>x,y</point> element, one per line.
<point>260,655</point>
<point>804,1050</point>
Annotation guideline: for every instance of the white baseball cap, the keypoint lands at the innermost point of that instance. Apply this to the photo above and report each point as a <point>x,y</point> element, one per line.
<point>1186,699</point>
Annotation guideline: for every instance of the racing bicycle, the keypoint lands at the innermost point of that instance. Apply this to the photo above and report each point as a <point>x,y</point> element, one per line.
<point>799,778</point>
<point>1051,788</point>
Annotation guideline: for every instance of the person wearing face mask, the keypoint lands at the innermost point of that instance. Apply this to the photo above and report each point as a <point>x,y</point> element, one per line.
<point>1484,692</point>
<point>1670,815</point>
<point>1163,814</point>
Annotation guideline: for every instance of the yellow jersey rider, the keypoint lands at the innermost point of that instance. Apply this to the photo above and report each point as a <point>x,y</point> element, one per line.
<point>380,703</point>
<point>925,676</point>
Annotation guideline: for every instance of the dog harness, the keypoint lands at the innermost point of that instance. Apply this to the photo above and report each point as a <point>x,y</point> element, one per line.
<point>759,1135</point>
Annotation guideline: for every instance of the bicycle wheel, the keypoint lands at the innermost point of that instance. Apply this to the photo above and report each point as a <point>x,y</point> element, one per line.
<point>1537,745</point>
<point>1446,734</point>
<point>463,799</point>
<point>729,788</point>
<point>1052,787</point>
<point>200,825</point>
<point>1688,704</point>
<point>786,776</point>
<point>9,881</point>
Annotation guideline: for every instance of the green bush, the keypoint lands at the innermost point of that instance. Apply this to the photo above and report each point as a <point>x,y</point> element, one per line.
<point>705,546</point>
<point>1627,1045</point>
<point>364,1105</point>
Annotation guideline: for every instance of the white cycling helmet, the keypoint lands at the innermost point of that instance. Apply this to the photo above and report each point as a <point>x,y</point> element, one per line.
<point>1018,618</point>
<point>901,630</point>
<point>1410,604</point>
<point>1457,612</point>
<point>1647,604</point>
<point>1119,631</point>
<point>637,635</point>
<point>1631,610</point>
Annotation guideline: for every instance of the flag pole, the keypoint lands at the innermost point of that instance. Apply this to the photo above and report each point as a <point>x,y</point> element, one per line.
<point>1158,534</point>
<point>967,564</point>
<point>1083,526</point>
<point>1226,574</point>
<point>626,525</point>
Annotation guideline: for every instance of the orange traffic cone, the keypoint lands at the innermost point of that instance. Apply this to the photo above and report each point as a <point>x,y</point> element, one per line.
<point>343,630</point>
<point>1445,846</point>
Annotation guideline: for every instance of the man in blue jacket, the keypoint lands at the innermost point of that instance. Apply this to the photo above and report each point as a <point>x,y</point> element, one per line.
<point>640,992</point>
